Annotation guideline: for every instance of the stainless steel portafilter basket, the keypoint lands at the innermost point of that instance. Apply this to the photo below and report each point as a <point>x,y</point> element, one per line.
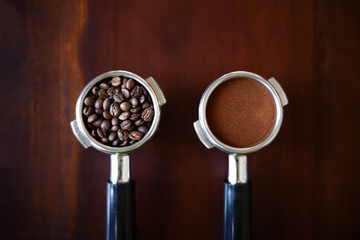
<point>85,137</point>
<point>237,189</point>
<point>120,205</point>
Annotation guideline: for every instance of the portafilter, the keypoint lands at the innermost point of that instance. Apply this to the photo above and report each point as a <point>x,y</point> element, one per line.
<point>239,113</point>
<point>120,187</point>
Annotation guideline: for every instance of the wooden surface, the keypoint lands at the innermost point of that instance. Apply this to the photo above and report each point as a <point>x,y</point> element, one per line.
<point>305,184</point>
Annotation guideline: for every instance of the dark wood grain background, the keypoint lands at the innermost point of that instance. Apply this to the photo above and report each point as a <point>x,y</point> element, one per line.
<point>305,184</point>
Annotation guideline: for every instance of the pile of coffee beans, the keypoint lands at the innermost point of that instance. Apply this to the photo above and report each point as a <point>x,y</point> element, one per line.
<point>118,111</point>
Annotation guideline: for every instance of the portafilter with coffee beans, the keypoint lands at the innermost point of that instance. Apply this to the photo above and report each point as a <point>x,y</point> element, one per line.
<point>116,113</point>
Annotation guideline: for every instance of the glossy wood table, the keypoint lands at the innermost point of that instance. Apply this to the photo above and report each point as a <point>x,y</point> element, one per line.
<point>304,185</point>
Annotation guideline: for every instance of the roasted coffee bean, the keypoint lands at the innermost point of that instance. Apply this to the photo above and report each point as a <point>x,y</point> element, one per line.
<point>114,128</point>
<point>125,115</point>
<point>115,110</point>
<point>130,84</point>
<point>147,114</point>
<point>134,102</point>
<point>102,93</point>
<point>106,104</point>
<point>115,121</point>
<point>89,101</point>
<point>142,99</point>
<point>143,129</point>
<point>116,143</point>
<point>107,115</point>
<point>144,91</point>
<point>99,103</point>
<point>135,110</point>
<point>125,106</point>
<point>125,125</point>
<point>104,85</point>
<point>99,111</point>
<point>88,110</point>
<point>123,134</point>
<point>105,125</point>
<point>92,117</point>
<point>119,97</point>
<point>105,140</point>
<point>148,98</point>
<point>94,96</point>
<point>116,81</point>
<point>123,85</point>
<point>139,122</point>
<point>145,105</point>
<point>135,135</point>
<point>97,123</point>
<point>111,91</point>
<point>124,143</point>
<point>101,133</point>
<point>136,92</point>
<point>132,127</point>
<point>112,136</point>
<point>135,116</point>
<point>95,90</point>
<point>125,92</point>
<point>132,142</point>
<point>94,132</point>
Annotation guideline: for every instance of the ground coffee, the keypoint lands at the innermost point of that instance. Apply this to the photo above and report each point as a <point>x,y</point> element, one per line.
<point>241,112</point>
<point>118,111</point>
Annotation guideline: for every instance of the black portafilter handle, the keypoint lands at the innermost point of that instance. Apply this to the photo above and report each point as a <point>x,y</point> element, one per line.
<point>237,201</point>
<point>237,211</point>
<point>120,211</point>
<point>120,200</point>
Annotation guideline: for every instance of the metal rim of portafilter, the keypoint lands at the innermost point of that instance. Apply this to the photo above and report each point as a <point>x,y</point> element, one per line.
<point>120,203</point>
<point>237,216</point>
<point>207,137</point>
<point>85,137</point>
<point>119,155</point>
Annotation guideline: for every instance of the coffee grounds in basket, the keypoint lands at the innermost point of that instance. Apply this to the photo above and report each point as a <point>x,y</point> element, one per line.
<point>241,112</point>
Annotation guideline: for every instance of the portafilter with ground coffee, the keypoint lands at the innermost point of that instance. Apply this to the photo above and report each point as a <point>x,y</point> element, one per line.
<point>239,113</point>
